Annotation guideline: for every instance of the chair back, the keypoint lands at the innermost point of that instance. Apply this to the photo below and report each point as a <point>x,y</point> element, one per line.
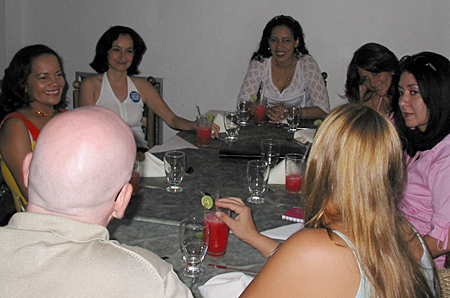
<point>151,123</point>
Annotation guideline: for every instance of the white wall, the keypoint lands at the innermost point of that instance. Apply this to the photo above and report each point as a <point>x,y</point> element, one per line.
<point>202,47</point>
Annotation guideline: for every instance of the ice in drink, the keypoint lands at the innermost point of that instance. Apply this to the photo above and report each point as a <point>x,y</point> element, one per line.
<point>218,235</point>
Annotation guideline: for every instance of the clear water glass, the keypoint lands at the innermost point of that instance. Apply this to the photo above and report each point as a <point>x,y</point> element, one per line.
<point>194,239</point>
<point>293,117</point>
<point>244,109</point>
<point>175,167</point>
<point>257,176</point>
<point>270,151</point>
<point>231,124</point>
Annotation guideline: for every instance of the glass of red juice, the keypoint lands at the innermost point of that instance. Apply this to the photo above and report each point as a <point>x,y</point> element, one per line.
<point>259,111</point>
<point>295,168</point>
<point>218,232</point>
<point>203,131</point>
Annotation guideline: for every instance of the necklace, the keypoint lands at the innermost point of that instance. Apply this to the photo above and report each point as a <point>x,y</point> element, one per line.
<point>288,79</point>
<point>42,114</point>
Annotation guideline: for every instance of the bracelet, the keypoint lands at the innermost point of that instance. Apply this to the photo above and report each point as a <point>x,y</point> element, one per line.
<point>274,251</point>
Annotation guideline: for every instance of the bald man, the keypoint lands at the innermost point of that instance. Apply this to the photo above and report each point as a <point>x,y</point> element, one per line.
<point>77,179</point>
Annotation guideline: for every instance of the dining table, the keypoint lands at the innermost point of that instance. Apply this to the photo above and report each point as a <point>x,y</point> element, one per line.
<point>153,215</point>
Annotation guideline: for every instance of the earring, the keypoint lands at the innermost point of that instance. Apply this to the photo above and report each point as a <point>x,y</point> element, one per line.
<point>268,48</point>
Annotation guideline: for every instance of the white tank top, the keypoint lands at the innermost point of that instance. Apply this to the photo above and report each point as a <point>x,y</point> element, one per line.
<point>130,110</point>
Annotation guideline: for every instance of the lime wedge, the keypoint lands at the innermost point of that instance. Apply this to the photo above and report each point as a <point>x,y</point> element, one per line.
<point>253,97</point>
<point>140,156</point>
<point>210,117</point>
<point>199,235</point>
<point>207,202</point>
<point>317,122</point>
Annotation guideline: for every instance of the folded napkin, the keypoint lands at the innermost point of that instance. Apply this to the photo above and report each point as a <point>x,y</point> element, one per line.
<point>151,166</point>
<point>174,143</point>
<point>278,174</point>
<point>305,135</point>
<point>283,232</point>
<point>227,285</point>
<point>218,119</point>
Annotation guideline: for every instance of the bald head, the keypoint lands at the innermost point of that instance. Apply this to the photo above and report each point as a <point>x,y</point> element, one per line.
<point>83,159</point>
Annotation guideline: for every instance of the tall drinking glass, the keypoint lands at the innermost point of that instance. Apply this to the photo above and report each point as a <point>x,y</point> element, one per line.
<point>231,124</point>
<point>293,117</point>
<point>175,167</point>
<point>194,239</point>
<point>295,168</point>
<point>257,176</point>
<point>260,111</point>
<point>270,151</point>
<point>244,108</point>
<point>204,126</point>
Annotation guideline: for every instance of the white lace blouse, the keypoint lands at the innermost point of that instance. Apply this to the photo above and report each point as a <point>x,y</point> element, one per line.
<point>307,88</point>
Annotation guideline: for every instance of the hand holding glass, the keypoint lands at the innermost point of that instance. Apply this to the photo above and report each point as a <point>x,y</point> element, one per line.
<point>231,124</point>
<point>175,167</point>
<point>194,239</point>
<point>257,176</point>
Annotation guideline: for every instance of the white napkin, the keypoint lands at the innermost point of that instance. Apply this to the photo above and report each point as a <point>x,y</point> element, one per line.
<point>278,174</point>
<point>151,166</point>
<point>174,143</point>
<point>218,119</point>
<point>227,285</point>
<point>283,232</point>
<point>305,135</point>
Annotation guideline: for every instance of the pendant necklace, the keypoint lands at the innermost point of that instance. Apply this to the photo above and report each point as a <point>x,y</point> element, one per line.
<point>42,114</point>
<point>288,79</point>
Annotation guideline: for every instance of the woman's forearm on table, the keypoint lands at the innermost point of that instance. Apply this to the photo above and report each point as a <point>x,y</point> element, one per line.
<point>313,113</point>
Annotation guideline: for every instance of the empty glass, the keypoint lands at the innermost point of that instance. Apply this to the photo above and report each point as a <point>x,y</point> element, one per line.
<point>175,167</point>
<point>244,109</point>
<point>194,239</point>
<point>257,176</point>
<point>293,117</point>
<point>231,124</point>
<point>270,151</point>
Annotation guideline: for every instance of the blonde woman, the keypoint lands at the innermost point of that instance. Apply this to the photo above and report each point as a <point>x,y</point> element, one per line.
<point>355,243</point>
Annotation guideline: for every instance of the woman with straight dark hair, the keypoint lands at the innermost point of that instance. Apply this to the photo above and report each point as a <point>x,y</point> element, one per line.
<point>355,242</point>
<point>289,75</point>
<point>423,119</point>
<point>118,55</point>
<point>33,92</point>
<point>372,77</point>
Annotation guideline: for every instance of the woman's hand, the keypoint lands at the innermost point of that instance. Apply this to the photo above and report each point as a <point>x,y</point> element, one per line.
<point>277,113</point>
<point>215,129</point>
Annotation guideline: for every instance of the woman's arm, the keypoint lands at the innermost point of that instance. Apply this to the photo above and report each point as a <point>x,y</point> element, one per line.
<point>15,143</point>
<point>87,94</point>
<point>315,89</point>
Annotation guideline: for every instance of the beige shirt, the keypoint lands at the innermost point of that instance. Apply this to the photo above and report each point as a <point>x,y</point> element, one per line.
<point>53,256</point>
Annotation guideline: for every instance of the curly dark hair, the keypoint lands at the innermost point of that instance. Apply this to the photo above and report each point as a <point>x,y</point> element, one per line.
<point>100,63</point>
<point>432,73</point>
<point>281,20</point>
<point>375,58</point>
<point>13,91</point>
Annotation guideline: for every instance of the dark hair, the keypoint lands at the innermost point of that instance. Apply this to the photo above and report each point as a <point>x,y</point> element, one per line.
<point>292,24</point>
<point>432,73</point>
<point>100,63</point>
<point>375,58</point>
<point>13,91</point>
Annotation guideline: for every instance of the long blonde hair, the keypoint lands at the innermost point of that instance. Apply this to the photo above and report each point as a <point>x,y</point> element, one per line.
<point>355,177</point>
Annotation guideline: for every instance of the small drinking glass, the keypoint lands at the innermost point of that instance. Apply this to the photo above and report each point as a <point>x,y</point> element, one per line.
<point>204,126</point>
<point>293,117</point>
<point>270,151</point>
<point>175,167</point>
<point>244,109</point>
<point>257,176</point>
<point>231,124</point>
<point>194,239</point>
<point>295,168</point>
<point>260,111</point>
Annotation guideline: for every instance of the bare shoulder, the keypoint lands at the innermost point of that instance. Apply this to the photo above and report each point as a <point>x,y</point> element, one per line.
<point>141,83</point>
<point>92,81</point>
<point>12,130</point>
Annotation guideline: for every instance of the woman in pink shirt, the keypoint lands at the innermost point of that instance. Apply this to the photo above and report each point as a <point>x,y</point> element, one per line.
<point>422,116</point>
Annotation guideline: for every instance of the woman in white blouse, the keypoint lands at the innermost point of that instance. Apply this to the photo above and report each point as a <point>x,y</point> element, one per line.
<point>290,76</point>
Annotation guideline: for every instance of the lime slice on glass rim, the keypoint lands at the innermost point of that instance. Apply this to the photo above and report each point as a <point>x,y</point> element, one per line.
<point>253,97</point>
<point>317,122</point>
<point>207,202</point>
<point>199,235</point>
<point>210,117</point>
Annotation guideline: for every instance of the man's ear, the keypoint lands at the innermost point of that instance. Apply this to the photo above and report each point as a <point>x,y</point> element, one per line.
<point>26,168</point>
<point>122,200</point>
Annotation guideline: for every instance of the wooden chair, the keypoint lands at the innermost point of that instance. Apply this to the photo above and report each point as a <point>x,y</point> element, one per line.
<point>151,123</point>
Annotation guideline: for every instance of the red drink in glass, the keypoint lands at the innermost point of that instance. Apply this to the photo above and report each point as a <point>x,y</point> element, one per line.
<point>259,113</point>
<point>218,235</point>
<point>293,183</point>
<point>203,136</point>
